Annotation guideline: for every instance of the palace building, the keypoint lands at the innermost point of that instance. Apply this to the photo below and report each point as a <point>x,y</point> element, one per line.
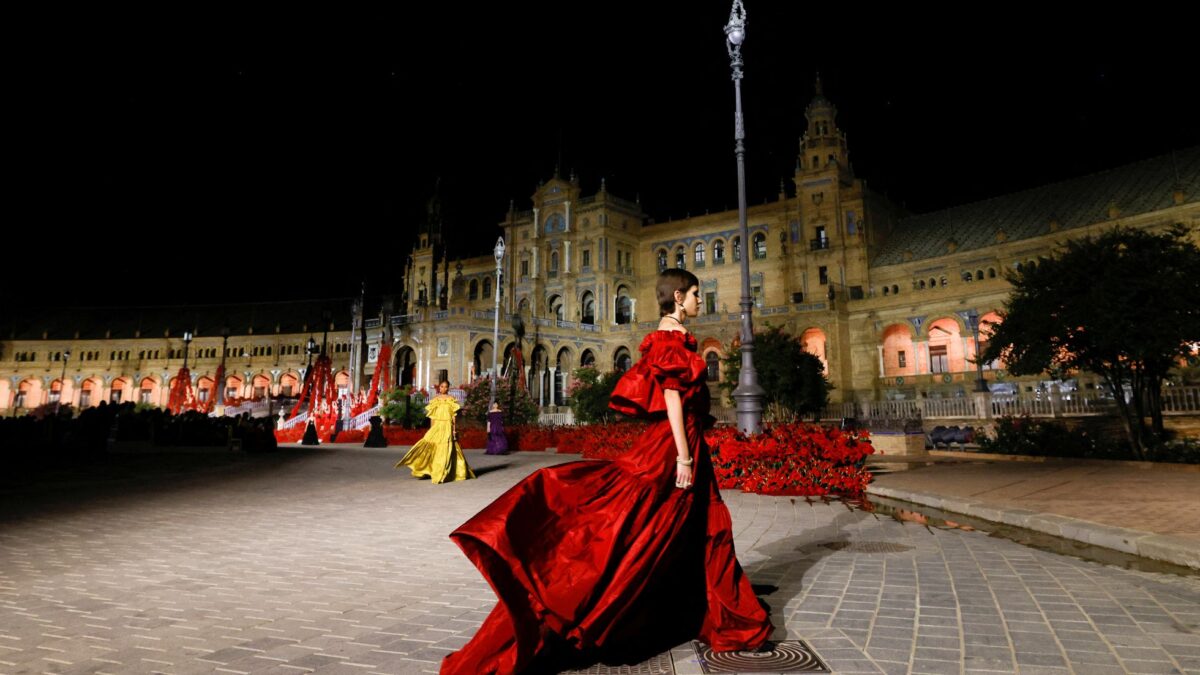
<point>888,300</point>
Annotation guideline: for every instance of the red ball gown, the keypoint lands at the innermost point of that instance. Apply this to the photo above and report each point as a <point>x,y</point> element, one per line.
<point>608,560</point>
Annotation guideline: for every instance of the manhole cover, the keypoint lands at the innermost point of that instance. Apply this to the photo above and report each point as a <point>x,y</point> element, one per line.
<point>789,656</point>
<point>657,665</point>
<point>867,546</point>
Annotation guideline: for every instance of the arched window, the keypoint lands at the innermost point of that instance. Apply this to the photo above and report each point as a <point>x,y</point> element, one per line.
<point>662,259</point>
<point>737,249</point>
<point>760,245</point>
<point>554,263</point>
<point>621,360</point>
<point>556,307</point>
<point>886,290</point>
<point>718,252</point>
<point>922,283</point>
<point>473,290</point>
<point>588,307</point>
<point>978,275</point>
<point>699,255</point>
<point>679,258</point>
<point>991,272</point>
<point>624,308</point>
<point>895,289</point>
<point>712,364</point>
<point>487,287</point>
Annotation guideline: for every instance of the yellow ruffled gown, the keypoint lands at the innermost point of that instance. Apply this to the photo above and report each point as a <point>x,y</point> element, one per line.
<point>437,454</point>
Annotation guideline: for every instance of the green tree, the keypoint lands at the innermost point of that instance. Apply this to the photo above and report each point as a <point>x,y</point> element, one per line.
<point>792,378</point>
<point>1122,305</point>
<point>403,405</point>
<point>589,394</point>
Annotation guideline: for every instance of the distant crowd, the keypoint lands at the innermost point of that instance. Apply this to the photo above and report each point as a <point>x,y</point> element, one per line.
<point>95,428</point>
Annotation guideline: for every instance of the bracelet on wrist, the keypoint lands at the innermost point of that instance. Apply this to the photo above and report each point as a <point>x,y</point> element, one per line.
<point>685,462</point>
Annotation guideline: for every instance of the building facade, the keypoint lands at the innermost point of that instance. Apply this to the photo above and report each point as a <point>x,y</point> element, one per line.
<point>887,300</point>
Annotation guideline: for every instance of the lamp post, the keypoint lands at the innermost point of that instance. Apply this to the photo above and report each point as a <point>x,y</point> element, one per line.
<point>62,381</point>
<point>310,348</point>
<point>973,323</point>
<point>187,342</point>
<point>219,387</point>
<point>749,394</point>
<point>499,252</point>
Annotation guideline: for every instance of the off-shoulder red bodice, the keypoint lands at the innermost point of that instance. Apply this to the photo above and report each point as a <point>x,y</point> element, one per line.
<point>669,361</point>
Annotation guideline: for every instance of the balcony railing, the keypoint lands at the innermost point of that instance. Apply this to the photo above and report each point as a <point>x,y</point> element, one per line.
<point>819,244</point>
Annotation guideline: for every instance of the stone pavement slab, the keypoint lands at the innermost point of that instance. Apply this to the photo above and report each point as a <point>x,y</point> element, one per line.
<point>334,562</point>
<point>1136,507</point>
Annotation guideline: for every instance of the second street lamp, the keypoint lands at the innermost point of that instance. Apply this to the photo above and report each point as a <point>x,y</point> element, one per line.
<point>62,381</point>
<point>973,321</point>
<point>499,253</point>
<point>748,395</point>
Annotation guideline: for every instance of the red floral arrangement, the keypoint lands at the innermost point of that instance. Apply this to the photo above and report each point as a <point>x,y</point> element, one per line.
<point>531,437</point>
<point>599,441</point>
<point>792,459</point>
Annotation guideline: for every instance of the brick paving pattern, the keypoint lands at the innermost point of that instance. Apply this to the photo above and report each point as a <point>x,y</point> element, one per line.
<point>333,562</point>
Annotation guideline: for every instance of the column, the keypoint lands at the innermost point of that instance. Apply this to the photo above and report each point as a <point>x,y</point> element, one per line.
<point>553,389</point>
<point>566,257</point>
<point>881,369</point>
<point>420,369</point>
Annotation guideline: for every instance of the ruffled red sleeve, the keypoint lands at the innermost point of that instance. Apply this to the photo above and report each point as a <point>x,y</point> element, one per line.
<point>666,363</point>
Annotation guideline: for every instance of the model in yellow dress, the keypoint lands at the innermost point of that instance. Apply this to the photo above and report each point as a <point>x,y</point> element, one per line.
<point>438,454</point>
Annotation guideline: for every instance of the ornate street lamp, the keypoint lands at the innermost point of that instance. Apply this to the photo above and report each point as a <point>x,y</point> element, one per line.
<point>748,395</point>
<point>62,381</point>
<point>499,253</point>
<point>973,323</point>
<point>187,342</point>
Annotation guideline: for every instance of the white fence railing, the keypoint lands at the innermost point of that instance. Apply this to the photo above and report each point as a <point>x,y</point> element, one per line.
<point>255,408</point>
<point>558,419</point>
<point>1181,399</point>
<point>362,419</point>
<point>948,407</point>
<point>296,421</point>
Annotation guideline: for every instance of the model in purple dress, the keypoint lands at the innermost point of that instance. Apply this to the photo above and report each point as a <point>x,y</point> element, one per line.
<point>497,443</point>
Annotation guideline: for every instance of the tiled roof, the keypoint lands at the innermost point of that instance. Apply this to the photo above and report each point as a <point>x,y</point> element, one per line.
<point>153,322</point>
<point>1136,188</point>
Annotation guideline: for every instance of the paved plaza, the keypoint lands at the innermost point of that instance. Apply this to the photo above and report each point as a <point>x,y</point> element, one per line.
<point>328,560</point>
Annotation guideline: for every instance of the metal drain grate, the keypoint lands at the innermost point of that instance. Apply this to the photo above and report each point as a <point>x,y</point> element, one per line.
<point>789,656</point>
<point>867,546</point>
<point>657,665</point>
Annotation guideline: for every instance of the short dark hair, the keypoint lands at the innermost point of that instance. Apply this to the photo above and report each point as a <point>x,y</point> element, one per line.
<point>669,281</point>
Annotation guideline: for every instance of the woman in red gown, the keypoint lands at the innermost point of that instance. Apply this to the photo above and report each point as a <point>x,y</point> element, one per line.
<point>618,561</point>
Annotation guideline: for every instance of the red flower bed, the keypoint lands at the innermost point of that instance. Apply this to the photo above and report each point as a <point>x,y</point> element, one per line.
<point>325,425</point>
<point>397,435</point>
<point>792,459</point>
<point>531,437</point>
<point>474,439</point>
<point>353,436</point>
<point>599,441</point>
<point>293,435</point>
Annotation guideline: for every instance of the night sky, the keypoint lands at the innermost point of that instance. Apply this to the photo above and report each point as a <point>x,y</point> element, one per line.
<point>229,158</point>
